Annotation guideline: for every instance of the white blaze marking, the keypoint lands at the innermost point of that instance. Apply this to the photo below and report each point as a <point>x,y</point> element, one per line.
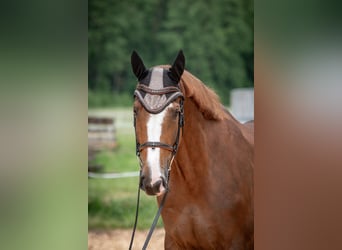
<point>154,130</point>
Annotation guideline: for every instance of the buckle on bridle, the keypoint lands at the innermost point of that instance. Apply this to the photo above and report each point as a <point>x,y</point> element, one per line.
<point>153,145</point>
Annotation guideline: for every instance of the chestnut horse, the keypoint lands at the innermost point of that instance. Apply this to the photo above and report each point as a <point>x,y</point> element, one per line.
<point>204,162</point>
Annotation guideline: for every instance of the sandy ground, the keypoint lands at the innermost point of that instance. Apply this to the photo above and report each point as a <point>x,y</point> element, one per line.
<point>119,239</point>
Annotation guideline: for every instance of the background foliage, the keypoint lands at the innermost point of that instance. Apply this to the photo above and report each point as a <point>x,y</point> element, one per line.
<point>217,40</point>
<point>216,37</point>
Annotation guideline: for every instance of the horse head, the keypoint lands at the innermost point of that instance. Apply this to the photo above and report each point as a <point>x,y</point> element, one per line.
<point>158,118</point>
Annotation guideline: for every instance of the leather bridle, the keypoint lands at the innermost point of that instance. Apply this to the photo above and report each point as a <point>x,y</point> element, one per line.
<point>152,144</point>
<point>174,93</point>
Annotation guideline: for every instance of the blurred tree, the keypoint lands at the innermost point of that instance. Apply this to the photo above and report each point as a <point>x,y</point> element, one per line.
<point>216,36</point>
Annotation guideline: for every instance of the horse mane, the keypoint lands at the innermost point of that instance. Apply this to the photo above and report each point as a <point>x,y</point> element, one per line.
<point>207,101</point>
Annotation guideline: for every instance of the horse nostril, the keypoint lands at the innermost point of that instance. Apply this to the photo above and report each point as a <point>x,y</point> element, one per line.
<point>156,186</point>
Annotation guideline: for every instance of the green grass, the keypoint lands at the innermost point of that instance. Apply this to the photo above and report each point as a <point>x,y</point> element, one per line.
<point>112,202</point>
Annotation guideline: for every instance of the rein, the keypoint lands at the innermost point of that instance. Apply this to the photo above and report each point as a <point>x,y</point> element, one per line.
<point>172,148</point>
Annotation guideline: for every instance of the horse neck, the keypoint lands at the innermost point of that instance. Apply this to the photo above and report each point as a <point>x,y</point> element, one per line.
<point>192,151</point>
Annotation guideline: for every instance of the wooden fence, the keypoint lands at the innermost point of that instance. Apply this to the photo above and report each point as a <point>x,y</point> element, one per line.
<point>101,136</point>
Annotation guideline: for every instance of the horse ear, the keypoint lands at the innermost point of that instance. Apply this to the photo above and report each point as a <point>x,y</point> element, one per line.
<point>138,66</point>
<point>177,68</point>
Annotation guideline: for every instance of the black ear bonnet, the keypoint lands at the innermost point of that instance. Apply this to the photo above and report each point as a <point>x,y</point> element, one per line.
<point>157,87</point>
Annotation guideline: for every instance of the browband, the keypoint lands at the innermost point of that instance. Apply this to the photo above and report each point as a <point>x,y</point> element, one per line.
<point>155,100</point>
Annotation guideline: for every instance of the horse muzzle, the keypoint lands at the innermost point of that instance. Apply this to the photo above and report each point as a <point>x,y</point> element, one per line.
<point>157,187</point>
